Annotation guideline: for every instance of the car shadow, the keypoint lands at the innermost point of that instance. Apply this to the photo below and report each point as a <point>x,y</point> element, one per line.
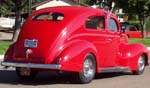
<point>43,78</point>
<point>46,78</point>
<point>111,75</point>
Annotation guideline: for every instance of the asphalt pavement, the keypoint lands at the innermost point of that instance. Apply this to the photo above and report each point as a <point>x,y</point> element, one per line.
<point>8,79</point>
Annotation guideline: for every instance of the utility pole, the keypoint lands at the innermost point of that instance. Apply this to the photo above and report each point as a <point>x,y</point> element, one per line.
<point>29,7</point>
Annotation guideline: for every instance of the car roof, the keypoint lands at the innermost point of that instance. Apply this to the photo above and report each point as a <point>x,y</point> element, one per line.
<point>73,10</point>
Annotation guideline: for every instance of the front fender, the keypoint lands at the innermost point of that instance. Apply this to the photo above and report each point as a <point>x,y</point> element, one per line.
<point>73,55</point>
<point>130,54</point>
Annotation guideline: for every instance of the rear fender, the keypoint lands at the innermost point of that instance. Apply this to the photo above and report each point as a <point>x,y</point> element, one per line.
<point>9,53</point>
<point>130,54</point>
<point>73,55</point>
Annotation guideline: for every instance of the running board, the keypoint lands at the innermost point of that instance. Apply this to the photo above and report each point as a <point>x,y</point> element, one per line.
<point>114,69</point>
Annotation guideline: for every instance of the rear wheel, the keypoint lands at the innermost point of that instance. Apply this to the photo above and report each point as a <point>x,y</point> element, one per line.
<point>141,65</point>
<point>26,73</point>
<point>88,71</point>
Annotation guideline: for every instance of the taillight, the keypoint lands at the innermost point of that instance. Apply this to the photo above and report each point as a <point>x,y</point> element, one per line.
<point>58,60</point>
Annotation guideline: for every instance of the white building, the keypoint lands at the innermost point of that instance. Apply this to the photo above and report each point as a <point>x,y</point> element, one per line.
<point>122,17</point>
<point>52,3</point>
<point>6,22</point>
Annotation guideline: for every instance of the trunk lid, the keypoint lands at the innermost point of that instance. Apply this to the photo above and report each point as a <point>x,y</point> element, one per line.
<point>35,41</point>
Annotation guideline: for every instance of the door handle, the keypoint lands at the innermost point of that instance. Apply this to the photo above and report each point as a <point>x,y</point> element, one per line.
<point>108,40</point>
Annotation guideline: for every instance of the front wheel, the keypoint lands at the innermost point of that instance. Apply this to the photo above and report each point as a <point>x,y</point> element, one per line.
<point>141,65</point>
<point>88,71</point>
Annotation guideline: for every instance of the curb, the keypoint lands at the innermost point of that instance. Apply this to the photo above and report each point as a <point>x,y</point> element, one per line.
<point>148,48</point>
<point>1,57</point>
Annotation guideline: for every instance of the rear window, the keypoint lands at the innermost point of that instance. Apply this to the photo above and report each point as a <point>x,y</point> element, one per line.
<point>55,17</point>
<point>41,16</point>
<point>50,16</point>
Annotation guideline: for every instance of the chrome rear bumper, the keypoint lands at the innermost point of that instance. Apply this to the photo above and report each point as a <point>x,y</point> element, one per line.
<point>31,65</point>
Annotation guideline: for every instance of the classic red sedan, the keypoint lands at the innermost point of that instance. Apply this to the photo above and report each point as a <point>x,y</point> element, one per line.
<point>132,31</point>
<point>80,40</point>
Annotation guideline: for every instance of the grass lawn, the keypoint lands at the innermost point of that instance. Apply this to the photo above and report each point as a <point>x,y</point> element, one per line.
<point>4,46</point>
<point>145,41</point>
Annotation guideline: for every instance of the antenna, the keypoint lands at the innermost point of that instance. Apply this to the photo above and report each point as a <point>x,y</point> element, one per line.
<point>102,4</point>
<point>112,8</point>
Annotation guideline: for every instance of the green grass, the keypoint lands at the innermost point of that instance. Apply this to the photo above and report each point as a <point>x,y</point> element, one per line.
<point>4,46</point>
<point>145,41</point>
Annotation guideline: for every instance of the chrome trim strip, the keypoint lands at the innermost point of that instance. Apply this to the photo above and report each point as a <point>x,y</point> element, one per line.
<point>31,65</point>
<point>115,69</point>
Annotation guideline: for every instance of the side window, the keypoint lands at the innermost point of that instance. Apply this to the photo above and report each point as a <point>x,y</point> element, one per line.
<point>41,16</point>
<point>56,16</point>
<point>95,22</point>
<point>50,16</point>
<point>133,28</point>
<point>112,25</point>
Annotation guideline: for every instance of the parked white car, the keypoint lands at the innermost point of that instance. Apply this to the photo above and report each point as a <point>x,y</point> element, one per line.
<point>6,22</point>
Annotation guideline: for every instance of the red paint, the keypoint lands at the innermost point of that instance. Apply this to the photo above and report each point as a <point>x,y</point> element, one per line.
<point>70,40</point>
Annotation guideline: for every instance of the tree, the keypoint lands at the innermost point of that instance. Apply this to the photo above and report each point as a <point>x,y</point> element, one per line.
<point>17,6</point>
<point>89,2</point>
<point>6,7</point>
<point>141,8</point>
<point>18,19</point>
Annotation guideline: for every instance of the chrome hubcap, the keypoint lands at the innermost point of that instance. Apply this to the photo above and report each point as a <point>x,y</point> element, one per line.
<point>141,63</point>
<point>88,68</point>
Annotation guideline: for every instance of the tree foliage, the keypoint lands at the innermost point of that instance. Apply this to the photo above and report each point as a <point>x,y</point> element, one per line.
<point>141,8</point>
<point>89,2</point>
<point>6,7</point>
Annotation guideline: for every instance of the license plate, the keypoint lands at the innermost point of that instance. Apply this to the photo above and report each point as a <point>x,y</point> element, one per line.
<point>25,71</point>
<point>31,43</point>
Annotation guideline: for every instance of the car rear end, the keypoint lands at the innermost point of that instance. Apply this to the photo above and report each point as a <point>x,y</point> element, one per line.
<point>37,39</point>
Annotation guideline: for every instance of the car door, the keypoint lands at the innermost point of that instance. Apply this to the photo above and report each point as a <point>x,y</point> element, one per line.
<point>98,36</point>
<point>106,41</point>
<point>112,39</point>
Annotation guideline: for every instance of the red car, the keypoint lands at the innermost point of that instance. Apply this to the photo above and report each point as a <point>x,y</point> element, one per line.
<point>132,31</point>
<point>80,40</point>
